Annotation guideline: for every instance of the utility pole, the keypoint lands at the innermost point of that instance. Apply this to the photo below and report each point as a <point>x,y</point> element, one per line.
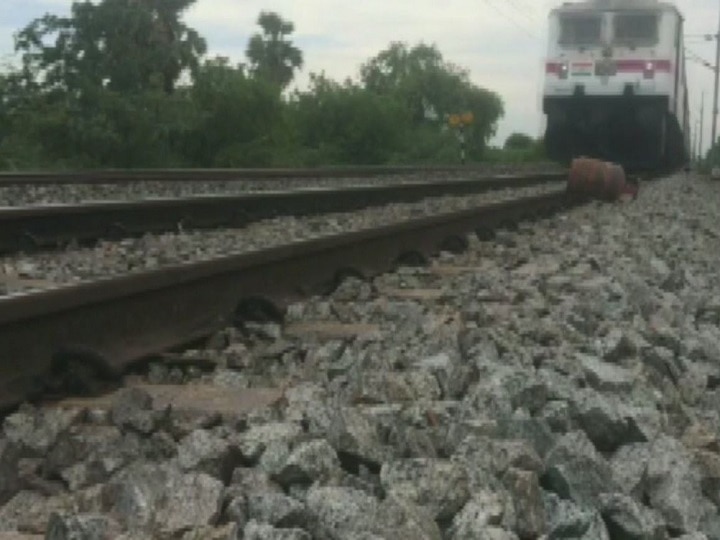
<point>702,116</point>
<point>717,75</point>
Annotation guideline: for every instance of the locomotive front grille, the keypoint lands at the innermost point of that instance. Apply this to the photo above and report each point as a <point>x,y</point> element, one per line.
<point>605,68</point>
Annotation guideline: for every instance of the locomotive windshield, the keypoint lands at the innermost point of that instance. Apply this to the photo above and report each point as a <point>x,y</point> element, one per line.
<point>580,30</point>
<point>636,29</point>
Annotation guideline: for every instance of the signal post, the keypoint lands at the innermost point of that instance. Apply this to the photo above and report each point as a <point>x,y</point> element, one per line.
<point>459,121</point>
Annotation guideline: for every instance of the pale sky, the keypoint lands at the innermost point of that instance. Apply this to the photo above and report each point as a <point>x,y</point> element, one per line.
<point>501,42</point>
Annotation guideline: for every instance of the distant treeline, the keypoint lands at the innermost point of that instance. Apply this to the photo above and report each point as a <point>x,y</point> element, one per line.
<point>126,83</point>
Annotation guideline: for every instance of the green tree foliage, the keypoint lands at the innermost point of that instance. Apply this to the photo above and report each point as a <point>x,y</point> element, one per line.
<point>121,45</point>
<point>518,148</point>
<point>519,141</point>
<point>239,119</point>
<point>342,123</point>
<point>272,57</point>
<point>135,130</point>
<point>18,148</point>
<point>105,87</point>
<point>99,86</point>
<point>430,87</point>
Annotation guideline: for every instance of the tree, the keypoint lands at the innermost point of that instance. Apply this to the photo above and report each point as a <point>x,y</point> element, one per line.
<point>102,88</point>
<point>122,45</point>
<point>432,88</point>
<point>519,141</point>
<point>272,57</point>
<point>100,85</point>
<point>239,118</point>
<point>344,123</point>
<point>419,75</point>
<point>18,148</point>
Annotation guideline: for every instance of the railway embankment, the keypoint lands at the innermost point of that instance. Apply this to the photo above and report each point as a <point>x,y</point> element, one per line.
<point>561,378</point>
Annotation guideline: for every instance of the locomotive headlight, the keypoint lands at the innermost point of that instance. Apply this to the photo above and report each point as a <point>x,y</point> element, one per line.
<point>563,71</point>
<point>649,70</point>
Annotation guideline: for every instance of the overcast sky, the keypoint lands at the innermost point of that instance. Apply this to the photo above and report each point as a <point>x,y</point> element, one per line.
<point>501,42</point>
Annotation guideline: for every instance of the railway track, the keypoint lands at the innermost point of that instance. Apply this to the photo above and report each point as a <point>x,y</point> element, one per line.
<point>226,175</point>
<point>408,394</point>
<point>37,227</point>
<point>69,337</point>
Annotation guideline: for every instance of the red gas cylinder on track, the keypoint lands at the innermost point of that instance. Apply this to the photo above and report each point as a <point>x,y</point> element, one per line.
<point>595,178</point>
<point>615,182</point>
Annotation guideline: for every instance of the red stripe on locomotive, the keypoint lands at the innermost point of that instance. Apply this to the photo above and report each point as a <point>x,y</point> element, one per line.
<point>631,66</point>
<point>552,67</point>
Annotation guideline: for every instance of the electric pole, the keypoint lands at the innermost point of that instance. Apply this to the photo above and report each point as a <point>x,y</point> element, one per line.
<point>717,74</point>
<point>702,116</point>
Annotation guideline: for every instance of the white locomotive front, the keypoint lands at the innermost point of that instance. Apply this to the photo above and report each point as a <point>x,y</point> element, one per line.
<point>615,84</point>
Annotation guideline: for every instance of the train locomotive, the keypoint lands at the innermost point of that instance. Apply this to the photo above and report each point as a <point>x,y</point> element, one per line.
<point>615,84</point>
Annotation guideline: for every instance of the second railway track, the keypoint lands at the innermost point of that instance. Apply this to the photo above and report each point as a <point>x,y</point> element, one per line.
<point>100,327</point>
<point>35,227</point>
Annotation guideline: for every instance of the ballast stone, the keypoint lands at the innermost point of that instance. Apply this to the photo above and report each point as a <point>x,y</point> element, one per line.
<point>673,484</point>
<point>276,509</point>
<point>338,513</point>
<point>438,486</point>
<point>576,471</point>
<point>628,466</point>
<point>525,492</point>
<point>161,498</point>
<point>627,518</point>
<point>81,527</point>
<point>203,451</point>
<point>607,423</point>
<point>262,531</point>
<point>605,377</point>
<point>256,440</point>
<point>132,409</point>
<point>564,518</point>
<point>353,433</point>
<point>309,462</point>
<point>485,509</point>
<point>84,445</point>
<point>496,456</point>
<point>34,431</point>
<point>30,512</point>
<point>534,430</point>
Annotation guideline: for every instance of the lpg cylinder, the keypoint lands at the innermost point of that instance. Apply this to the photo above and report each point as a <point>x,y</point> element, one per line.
<point>580,171</point>
<point>596,178</point>
<point>615,182</point>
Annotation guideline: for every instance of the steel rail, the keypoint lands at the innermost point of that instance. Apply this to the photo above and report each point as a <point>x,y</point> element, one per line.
<point>118,321</point>
<point>29,228</point>
<point>226,175</point>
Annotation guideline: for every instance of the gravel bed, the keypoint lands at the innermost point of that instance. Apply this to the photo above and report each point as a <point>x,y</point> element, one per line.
<point>155,251</point>
<point>560,381</point>
<point>23,195</point>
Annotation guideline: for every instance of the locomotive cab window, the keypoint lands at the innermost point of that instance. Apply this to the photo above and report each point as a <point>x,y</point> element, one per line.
<point>636,29</point>
<point>580,30</point>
